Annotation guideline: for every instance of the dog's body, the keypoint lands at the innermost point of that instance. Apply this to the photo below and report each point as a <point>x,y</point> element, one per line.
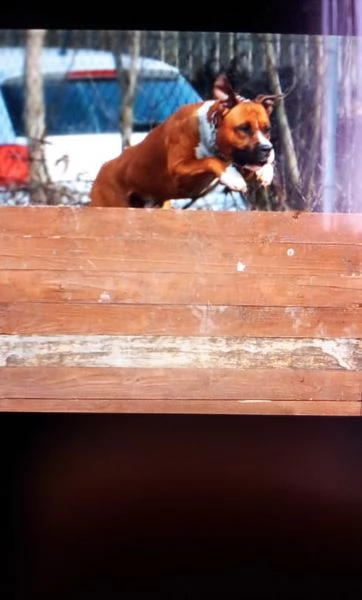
<point>202,144</point>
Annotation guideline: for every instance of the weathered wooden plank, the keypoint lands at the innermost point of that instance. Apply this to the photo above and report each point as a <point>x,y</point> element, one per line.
<point>231,407</point>
<point>169,311</point>
<point>179,352</point>
<point>205,255</point>
<point>180,288</point>
<point>180,384</point>
<point>249,226</point>
<point>252,321</point>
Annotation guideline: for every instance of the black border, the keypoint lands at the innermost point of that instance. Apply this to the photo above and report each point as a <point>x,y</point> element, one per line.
<point>272,16</point>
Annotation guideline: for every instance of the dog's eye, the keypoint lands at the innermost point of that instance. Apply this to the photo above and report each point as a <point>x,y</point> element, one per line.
<point>244,128</point>
<point>266,130</point>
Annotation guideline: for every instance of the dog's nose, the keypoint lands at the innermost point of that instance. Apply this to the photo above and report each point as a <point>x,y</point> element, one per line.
<point>265,148</point>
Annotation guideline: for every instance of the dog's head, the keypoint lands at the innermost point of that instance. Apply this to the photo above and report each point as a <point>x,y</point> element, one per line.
<point>242,126</point>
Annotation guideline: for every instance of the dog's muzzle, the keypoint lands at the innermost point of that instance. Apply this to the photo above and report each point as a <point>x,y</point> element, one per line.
<point>255,156</point>
<point>263,152</point>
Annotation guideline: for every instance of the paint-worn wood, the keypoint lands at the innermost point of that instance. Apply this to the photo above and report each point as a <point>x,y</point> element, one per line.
<point>106,310</point>
<point>180,352</point>
<point>197,320</point>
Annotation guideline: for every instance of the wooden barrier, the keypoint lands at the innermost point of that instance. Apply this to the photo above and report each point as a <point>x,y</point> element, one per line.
<point>148,311</point>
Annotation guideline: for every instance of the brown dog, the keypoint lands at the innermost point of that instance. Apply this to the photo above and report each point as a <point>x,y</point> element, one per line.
<point>200,145</point>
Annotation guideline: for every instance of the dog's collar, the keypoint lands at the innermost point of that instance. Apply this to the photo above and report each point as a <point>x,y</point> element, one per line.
<point>214,148</point>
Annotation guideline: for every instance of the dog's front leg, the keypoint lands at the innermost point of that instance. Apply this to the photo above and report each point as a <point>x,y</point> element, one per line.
<point>225,172</point>
<point>233,180</point>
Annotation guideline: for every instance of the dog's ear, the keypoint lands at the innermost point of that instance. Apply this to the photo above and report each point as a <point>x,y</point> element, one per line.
<point>268,102</point>
<point>223,92</point>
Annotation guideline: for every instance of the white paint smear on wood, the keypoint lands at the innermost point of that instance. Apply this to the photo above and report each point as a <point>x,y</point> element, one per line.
<point>180,351</point>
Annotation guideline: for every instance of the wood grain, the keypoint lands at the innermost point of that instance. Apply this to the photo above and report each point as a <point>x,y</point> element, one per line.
<point>134,223</point>
<point>180,384</point>
<point>199,319</point>
<point>180,288</point>
<point>191,255</point>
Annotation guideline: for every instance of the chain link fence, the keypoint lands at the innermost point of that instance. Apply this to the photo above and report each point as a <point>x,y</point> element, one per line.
<point>83,104</point>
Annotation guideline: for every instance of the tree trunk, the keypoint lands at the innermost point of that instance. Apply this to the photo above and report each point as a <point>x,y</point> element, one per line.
<point>130,87</point>
<point>127,81</point>
<point>292,169</point>
<point>35,116</point>
<point>313,158</point>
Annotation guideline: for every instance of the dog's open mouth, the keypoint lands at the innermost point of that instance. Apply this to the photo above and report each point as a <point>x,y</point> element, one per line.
<point>251,167</point>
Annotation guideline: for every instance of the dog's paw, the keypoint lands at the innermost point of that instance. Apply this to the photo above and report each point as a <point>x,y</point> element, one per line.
<point>167,205</point>
<point>232,179</point>
<point>265,174</point>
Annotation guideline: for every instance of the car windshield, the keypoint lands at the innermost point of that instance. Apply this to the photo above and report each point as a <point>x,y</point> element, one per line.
<point>79,106</point>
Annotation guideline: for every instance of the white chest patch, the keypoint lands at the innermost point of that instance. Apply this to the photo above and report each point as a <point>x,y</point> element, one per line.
<point>207,132</point>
